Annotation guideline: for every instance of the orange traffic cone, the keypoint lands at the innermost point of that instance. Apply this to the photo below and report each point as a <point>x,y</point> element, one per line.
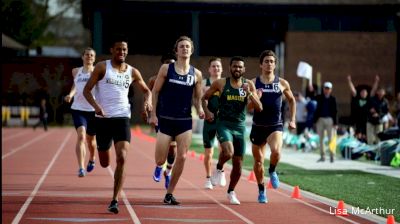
<point>270,185</point>
<point>341,210</point>
<point>390,219</point>
<point>201,157</point>
<point>138,130</point>
<point>296,192</point>
<point>252,177</point>
<point>193,154</point>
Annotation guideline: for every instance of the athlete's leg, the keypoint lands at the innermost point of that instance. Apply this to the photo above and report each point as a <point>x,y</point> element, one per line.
<point>183,143</point>
<point>121,151</point>
<point>80,148</point>
<point>258,166</point>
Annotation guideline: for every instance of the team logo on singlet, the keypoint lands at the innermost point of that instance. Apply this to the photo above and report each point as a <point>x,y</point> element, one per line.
<point>189,81</point>
<point>275,87</point>
<point>242,92</point>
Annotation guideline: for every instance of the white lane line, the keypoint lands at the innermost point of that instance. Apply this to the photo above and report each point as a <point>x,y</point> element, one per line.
<point>24,145</point>
<point>132,213</point>
<point>219,203</point>
<point>21,212</point>
<point>14,136</point>
<point>318,208</point>
<point>209,196</point>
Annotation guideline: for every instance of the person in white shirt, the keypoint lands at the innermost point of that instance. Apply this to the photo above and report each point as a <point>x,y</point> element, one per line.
<point>83,113</point>
<point>111,80</point>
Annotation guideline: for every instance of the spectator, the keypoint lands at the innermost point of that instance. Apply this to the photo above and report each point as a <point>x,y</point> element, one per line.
<point>378,108</point>
<point>301,112</point>
<point>326,118</point>
<point>43,115</point>
<point>359,110</point>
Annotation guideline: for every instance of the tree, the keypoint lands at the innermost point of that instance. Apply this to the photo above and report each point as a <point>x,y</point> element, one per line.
<point>27,20</point>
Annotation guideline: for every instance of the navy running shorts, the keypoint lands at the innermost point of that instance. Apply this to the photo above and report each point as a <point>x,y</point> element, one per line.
<point>174,128</point>
<point>86,119</point>
<point>259,134</point>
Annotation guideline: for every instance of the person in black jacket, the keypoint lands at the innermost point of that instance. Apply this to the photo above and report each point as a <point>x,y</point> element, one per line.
<point>43,115</point>
<point>378,107</point>
<point>326,118</point>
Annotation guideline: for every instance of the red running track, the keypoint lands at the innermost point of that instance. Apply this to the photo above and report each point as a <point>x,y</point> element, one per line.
<point>40,185</point>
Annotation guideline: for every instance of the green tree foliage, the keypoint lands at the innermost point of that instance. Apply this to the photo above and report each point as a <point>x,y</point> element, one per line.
<point>27,20</point>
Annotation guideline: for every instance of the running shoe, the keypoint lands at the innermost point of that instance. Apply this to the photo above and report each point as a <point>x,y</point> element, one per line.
<point>167,179</point>
<point>81,172</point>
<point>274,179</point>
<point>113,207</point>
<point>233,198</point>
<point>218,178</point>
<point>262,197</point>
<point>170,200</point>
<point>157,174</point>
<point>208,184</point>
<point>90,166</point>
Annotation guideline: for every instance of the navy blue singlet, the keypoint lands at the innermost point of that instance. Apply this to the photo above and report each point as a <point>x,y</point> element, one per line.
<point>175,99</point>
<point>271,100</point>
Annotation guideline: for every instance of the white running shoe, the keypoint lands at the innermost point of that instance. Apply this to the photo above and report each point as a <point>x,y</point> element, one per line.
<point>218,178</point>
<point>233,199</point>
<point>208,184</point>
<point>222,181</point>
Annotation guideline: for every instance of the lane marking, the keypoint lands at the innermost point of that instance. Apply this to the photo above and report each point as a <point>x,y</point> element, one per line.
<point>177,207</point>
<point>209,196</point>
<point>14,136</point>
<point>318,208</point>
<point>24,207</point>
<point>191,220</point>
<point>219,203</point>
<point>24,145</point>
<point>84,220</point>
<point>132,213</point>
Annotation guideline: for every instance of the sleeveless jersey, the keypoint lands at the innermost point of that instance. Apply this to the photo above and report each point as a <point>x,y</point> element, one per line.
<point>175,99</point>
<point>112,92</point>
<point>271,100</point>
<point>80,102</point>
<point>213,101</point>
<point>232,104</point>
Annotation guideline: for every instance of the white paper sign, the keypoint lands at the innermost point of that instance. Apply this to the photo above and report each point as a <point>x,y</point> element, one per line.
<point>304,70</point>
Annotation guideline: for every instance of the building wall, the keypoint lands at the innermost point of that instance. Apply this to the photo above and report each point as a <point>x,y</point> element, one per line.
<point>335,55</point>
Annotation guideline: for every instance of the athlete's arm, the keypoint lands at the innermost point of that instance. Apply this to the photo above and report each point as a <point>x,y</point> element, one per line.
<point>253,96</point>
<point>291,100</point>
<point>250,104</point>
<point>215,86</point>
<point>198,93</point>
<point>72,92</point>
<point>97,74</point>
<point>158,84</point>
<point>138,79</point>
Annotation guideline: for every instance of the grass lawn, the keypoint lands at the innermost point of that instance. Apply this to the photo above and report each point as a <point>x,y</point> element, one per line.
<point>356,188</point>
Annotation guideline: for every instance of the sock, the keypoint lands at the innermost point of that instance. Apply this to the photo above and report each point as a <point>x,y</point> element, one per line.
<point>271,168</point>
<point>229,190</point>
<point>168,195</point>
<point>208,177</point>
<point>219,167</point>
<point>168,169</point>
<point>261,187</point>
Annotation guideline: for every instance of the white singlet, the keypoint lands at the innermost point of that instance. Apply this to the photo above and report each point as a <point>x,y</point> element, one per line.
<point>80,102</point>
<point>112,92</point>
